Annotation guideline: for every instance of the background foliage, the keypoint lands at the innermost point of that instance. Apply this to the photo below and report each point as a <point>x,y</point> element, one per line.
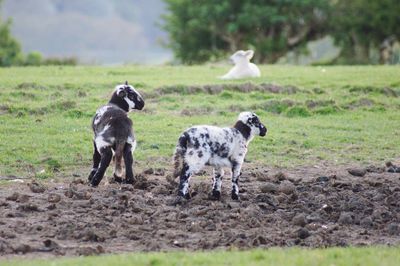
<point>204,30</point>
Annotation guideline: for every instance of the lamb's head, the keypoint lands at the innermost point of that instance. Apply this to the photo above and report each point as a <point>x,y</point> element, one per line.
<point>251,122</point>
<point>127,97</point>
<point>242,57</point>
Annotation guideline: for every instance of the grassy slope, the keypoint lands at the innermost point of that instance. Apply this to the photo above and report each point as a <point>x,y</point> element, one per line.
<point>383,256</point>
<point>46,123</point>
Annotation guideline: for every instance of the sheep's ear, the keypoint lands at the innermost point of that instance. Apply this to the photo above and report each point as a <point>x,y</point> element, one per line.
<point>121,93</point>
<point>126,83</point>
<point>249,54</point>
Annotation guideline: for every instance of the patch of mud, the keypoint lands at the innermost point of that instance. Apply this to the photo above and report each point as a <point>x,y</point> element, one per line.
<point>308,206</point>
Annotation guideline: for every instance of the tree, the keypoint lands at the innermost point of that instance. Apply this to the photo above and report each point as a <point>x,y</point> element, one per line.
<point>10,50</point>
<point>362,26</point>
<point>205,29</point>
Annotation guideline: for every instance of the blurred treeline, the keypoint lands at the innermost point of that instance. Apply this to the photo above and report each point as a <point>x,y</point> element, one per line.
<point>11,53</point>
<point>366,31</point>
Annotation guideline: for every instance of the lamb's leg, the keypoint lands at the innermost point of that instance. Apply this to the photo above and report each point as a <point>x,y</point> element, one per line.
<point>236,167</point>
<point>128,158</point>
<point>184,181</point>
<point>96,162</point>
<point>119,153</point>
<point>106,156</point>
<point>218,173</point>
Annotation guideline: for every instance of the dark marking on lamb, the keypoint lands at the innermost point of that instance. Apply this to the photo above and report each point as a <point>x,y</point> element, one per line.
<point>263,130</point>
<point>183,181</point>
<point>243,128</point>
<point>234,163</point>
<point>192,130</point>
<point>183,140</point>
<point>200,154</point>
<point>196,143</point>
<point>223,151</point>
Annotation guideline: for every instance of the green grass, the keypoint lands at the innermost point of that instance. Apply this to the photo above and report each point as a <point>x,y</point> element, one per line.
<point>339,114</point>
<point>383,256</point>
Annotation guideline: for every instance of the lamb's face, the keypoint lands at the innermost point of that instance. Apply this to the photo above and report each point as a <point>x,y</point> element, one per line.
<point>131,96</point>
<point>241,56</point>
<point>253,122</point>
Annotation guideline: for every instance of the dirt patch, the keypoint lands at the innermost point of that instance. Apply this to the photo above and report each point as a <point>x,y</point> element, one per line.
<point>30,86</point>
<point>387,91</point>
<point>218,88</point>
<point>308,206</point>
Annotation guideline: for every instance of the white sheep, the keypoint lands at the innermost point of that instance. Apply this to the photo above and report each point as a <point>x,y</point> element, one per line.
<point>243,68</point>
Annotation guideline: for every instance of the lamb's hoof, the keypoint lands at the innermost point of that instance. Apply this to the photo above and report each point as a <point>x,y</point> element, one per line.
<point>215,195</point>
<point>117,179</point>
<point>179,200</point>
<point>394,169</point>
<point>235,196</point>
<point>91,184</point>
<point>185,196</point>
<point>129,181</point>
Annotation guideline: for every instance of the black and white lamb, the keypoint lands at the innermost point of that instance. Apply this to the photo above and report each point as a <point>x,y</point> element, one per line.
<point>113,134</point>
<point>219,147</point>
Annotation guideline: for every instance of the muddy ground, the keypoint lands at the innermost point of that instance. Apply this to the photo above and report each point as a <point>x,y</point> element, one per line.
<point>309,206</point>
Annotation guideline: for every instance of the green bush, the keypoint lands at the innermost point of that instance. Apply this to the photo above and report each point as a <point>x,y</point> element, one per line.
<point>33,59</point>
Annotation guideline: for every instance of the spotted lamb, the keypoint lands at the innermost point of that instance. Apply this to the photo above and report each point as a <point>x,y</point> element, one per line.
<point>219,147</point>
<point>113,134</point>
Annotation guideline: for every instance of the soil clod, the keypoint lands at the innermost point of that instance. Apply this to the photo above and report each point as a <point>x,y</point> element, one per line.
<point>36,187</point>
<point>357,171</point>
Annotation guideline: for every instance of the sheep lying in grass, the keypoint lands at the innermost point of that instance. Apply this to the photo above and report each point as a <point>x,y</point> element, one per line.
<point>113,133</point>
<point>219,147</point>
<point>243,68</point>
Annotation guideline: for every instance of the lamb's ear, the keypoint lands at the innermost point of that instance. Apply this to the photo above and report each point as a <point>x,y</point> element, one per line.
<point>249,54</point>
<point>121,93</point>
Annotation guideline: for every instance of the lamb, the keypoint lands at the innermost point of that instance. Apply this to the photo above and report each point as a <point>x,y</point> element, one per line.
<point>113,134</point>
<point>243,68</point>
<point>219,147</point>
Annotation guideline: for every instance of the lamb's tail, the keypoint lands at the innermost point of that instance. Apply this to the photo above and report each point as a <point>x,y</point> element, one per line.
<point>180,151</point>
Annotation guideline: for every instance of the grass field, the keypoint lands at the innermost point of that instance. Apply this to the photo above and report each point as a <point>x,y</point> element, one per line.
<point>332,115</point>
<point>382,256</point>
<point>335,114</point>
